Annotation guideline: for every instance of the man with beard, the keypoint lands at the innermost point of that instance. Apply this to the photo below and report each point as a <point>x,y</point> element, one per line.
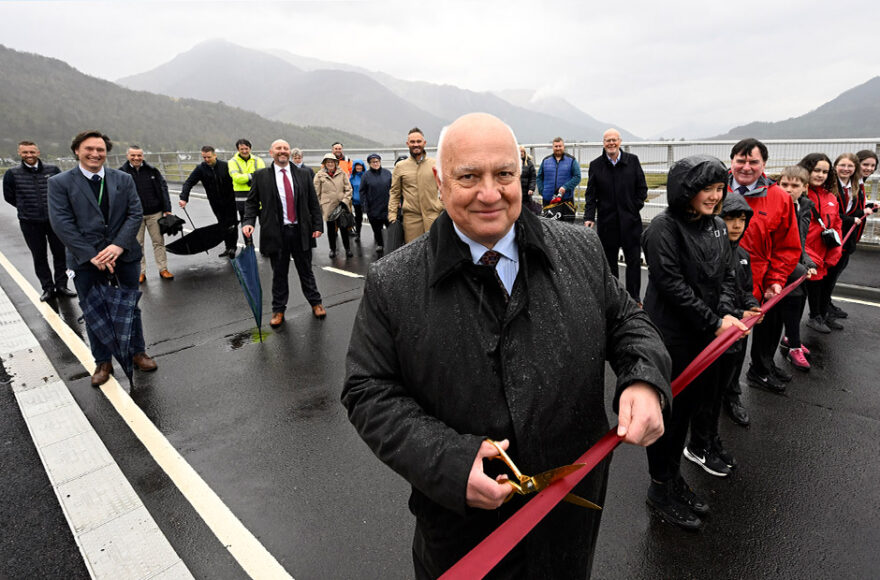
<point>413,187</point>
<point>342,161</point>
<point>283,196</point>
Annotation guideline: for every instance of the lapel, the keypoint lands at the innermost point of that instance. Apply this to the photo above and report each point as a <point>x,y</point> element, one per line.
<point>110,191</point>
<point>84,189</point>
<point>272,186</point>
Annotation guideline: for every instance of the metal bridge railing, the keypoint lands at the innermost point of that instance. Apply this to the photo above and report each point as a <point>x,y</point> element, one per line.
<point>655,156</point>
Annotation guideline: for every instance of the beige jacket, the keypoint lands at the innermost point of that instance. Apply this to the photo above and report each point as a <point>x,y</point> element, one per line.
<point>332,190</point>
<point>414,180</point>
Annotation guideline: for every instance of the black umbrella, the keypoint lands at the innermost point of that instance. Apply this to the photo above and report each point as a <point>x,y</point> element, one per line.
<point>109,313</point>
<point>198,240</point>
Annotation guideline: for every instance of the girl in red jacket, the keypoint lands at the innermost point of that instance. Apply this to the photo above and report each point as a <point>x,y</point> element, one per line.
<point>853,212</point>
<point>821,247</point>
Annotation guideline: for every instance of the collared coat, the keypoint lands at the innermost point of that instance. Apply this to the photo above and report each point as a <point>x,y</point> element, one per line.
<point>615,196</point>
<point>332,190</point>
<point>264,201</point>
<point>414,188</point>
<point>438,362</point>
<point>772,239</point>
<point>78,222</point>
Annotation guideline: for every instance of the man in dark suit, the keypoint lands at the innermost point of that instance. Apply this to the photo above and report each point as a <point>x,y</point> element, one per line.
<point>617,187</point>
<point>290,223</point>
<point>96,213</point>
<point>214,175</point>
<point>26,188</point>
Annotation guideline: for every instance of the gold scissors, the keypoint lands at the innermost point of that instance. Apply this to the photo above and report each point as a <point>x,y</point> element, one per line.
<point>526,484</point>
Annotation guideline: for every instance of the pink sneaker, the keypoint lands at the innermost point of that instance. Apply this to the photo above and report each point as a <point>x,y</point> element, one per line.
<point>797,358</point>
<point>806,350</point>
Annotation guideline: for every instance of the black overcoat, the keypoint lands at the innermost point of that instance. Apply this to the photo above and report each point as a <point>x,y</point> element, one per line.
<point>264,201</point>
<point>437,363</point>
<point>615,195</point>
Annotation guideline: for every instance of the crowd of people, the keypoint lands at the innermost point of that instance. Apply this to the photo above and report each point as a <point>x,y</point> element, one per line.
<point>730,239</point>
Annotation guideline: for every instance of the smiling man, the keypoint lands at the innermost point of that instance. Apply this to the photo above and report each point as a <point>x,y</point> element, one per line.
<point>413,190</point>
<point>26,187</point>
<point>96,212</point>
<point>774,246</point>
<point>283,197</point>
<point>617,190</point>
<point>441,352</point>
<point>153,192</point>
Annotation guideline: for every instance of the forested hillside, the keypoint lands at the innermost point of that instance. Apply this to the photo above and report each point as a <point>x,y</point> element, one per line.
<point>47,101</point>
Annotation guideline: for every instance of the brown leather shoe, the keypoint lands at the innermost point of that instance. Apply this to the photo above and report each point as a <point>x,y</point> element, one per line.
<point>166,275</point>
<point>143,361</point>
<point>318,311</point>
<point>102,373</point>
<point>277,319</point>
<point>142,278</point>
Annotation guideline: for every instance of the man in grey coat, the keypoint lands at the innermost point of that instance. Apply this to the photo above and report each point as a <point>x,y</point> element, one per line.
<point>96,213</point>
<point>497,325</point>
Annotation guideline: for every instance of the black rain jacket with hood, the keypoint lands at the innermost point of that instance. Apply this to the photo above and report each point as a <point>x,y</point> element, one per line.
<point>735,204</point>
<point>691,284</point>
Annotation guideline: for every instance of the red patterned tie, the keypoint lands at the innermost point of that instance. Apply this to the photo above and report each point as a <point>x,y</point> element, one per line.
<point>490,258</point>
<point>288,195</point>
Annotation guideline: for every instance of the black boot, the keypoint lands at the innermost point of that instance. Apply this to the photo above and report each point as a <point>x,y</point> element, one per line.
<point>662,500</point>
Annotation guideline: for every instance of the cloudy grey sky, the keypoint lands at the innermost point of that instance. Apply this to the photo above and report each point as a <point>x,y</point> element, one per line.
<point>646,66</point>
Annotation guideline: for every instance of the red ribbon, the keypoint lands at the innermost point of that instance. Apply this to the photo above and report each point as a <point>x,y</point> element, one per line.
<point>486,555</point>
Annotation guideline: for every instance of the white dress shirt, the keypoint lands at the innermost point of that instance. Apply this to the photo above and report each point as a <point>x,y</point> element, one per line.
<point>508,264</point>
<point>279,182</point>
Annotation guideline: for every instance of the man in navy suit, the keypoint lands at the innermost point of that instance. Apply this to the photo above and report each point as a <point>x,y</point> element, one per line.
<point>96,213</point>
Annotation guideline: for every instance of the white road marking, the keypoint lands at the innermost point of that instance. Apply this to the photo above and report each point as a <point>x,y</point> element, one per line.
<point>114,532</point>
<point>342,272</point>
<point>253,557</point>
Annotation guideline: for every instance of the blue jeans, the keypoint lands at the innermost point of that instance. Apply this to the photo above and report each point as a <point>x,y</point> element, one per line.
<point>127,273</point>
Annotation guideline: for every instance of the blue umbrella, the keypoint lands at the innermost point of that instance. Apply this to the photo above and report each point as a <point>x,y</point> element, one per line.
<point>245,266</point>
<point>109,313</point>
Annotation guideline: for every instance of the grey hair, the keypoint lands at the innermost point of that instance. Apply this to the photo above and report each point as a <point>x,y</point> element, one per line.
<point>437,162</point>
<point>296,151</point>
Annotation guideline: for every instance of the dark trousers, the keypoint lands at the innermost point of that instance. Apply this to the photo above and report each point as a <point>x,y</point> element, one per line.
<point>358,219</point>
<point>226,217</point>
<point>37,235</point>
<point>704,422</point>
<point>792,311</point>
<point>331,236</point>
<point>632,257</point>
<point>291,247</point>
<point>833,274</point>
<point>765,340</point>
<point>819,296</point>
<point>127,274</point>
<point>664,455</point>
<point>791,307</point>
<point>377,225</point>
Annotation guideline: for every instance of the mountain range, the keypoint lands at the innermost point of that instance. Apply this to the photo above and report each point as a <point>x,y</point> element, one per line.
<point>284,86</point>
<point>854,113</point>
<point>48,101</point>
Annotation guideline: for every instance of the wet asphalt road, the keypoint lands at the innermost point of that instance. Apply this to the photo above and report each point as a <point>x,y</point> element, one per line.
<point>262,424</point>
